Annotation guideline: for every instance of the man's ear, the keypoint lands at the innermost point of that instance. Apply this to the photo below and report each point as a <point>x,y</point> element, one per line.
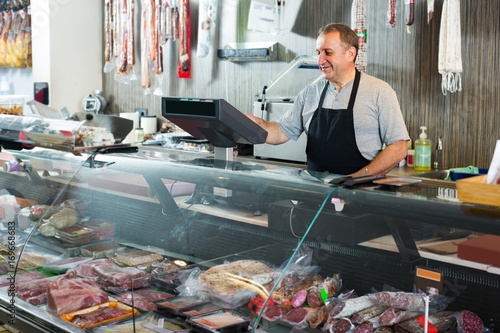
<point>351,53</point>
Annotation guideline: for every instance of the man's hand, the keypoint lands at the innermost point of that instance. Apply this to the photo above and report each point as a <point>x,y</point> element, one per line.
<point>275,135</point>
<point>386,160</point>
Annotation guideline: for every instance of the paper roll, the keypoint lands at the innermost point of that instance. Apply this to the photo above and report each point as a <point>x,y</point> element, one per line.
<point>148,123</point>
<point>134,116</point>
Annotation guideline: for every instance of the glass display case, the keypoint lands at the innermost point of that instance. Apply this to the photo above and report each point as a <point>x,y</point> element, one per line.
<point>195,245</point>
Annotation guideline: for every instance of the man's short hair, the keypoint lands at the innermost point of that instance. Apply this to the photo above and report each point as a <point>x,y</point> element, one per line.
<point>347,36</point>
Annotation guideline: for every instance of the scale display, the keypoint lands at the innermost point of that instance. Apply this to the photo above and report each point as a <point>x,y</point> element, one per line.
<point>213,119</point>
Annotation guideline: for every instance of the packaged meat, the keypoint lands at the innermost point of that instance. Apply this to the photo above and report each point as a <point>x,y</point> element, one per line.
<point>469,322</point>
<point>87,269</point>
<point>117,279</point>
<point>67,296</point>
<point>177,305</point>
<point>100,314</point>
<point>101,229</point>
<point>298,317</point>
<point>137,257</point>
<point>75,235</point>
<point>64,218</point>
<point>101,250</point>
<point>200,309</point>
<point>35,291</point>
<point>371,312</point>
<point>438,322</point>
<point>142,299</point>
<point>225,321</point>
<point>6,280</point>
<point>276,311</point>
<point>62,265</point>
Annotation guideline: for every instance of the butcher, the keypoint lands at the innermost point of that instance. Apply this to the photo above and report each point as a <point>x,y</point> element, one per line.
<point>347,116</point>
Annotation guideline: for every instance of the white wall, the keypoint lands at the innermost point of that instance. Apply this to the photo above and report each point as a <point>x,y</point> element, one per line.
<point>67,49</point>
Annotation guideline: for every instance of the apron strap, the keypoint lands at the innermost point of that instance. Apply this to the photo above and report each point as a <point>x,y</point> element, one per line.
<point>354,91</point>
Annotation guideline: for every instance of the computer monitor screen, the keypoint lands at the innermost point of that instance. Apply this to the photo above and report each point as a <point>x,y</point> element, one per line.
<point>213,119</point>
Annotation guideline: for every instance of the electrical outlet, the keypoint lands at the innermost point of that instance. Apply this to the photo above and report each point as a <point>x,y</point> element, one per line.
<point>142,112</point>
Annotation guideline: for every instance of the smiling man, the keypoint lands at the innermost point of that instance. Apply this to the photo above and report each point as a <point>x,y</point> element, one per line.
<point>347,117</point>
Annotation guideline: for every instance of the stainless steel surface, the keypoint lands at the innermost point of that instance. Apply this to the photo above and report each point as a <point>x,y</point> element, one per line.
<point>291,150</point>
<point>437,174</point>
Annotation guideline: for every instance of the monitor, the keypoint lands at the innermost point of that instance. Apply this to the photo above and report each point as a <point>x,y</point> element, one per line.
<point>213,119</point>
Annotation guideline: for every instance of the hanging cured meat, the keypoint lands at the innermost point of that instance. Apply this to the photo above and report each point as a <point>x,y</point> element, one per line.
<point>409,13</point>
<point>391,14</point>
<point>184,41</point>
<point>145,78</point>
<point>450,51</point>
<point>358,24</point>
<point>130,35</point>
<point>430,10</point>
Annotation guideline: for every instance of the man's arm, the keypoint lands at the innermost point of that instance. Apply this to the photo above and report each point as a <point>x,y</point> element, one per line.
<point>275,135</point>
<point>386,160</point>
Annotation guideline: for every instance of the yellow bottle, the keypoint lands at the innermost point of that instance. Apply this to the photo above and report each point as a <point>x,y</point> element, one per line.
<point>423,152</point>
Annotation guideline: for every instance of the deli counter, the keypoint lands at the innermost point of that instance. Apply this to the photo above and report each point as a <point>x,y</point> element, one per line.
<point>144,230</point>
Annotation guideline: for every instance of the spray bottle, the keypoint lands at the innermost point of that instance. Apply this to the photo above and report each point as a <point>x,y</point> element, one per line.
<point>423,152</point>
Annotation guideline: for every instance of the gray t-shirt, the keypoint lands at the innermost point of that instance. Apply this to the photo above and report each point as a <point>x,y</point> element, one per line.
<point>377,115</point>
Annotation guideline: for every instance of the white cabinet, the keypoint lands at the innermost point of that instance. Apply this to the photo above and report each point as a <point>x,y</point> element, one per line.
<point>67,49</point>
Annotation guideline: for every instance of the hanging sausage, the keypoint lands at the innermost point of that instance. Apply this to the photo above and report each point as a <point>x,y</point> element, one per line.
<point>184,68</point>
<point>358,24</point>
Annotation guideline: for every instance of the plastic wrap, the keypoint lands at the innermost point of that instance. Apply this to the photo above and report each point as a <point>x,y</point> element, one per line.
<point>64,264</point>
<point>142,299</point>
<point>469,322</point>
<point>118,279</point>
<point>75,294</point>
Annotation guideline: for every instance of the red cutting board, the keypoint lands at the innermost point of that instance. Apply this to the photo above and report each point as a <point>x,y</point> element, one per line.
<point>484,249</point>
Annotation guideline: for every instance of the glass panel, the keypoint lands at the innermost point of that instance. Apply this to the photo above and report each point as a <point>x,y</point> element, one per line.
<point>229,234</point>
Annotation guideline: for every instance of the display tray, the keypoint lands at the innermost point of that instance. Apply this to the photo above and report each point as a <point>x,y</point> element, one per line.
<point>177,305</point>
<point>76,317</point>
<point>225,321</point>
<point>200,309</point>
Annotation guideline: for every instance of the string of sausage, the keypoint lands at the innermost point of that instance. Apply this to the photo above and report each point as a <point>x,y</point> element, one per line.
<point>122,68</point>
<point>130,36</point>
<point>158,38</point>
<point>391,13</point>
<point>358,24</point>
<point>145,79</point>
<point>108,31</point>
<point>409,13</point>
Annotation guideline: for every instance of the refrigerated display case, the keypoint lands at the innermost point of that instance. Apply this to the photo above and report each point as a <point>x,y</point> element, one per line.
<point>171,221</point>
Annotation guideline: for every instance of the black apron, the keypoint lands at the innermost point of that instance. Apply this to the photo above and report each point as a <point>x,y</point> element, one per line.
<point>331,141</point>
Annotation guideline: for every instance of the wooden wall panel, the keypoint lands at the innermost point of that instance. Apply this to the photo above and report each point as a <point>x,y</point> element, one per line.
<point>467,121</point>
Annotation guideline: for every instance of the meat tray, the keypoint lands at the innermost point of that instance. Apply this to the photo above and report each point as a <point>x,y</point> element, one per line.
<point>102,229</point>
<point>177,305</point>
<point>201,309</point>
<point>75,235</point>
<point>225,321</point>
<point>70,317</point>
<point>169,281</point>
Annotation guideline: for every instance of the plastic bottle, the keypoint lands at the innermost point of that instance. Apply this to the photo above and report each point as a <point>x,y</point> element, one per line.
<point>423,152</point>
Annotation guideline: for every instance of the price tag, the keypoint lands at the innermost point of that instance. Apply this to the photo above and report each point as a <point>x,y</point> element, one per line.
<point>427,279</point>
